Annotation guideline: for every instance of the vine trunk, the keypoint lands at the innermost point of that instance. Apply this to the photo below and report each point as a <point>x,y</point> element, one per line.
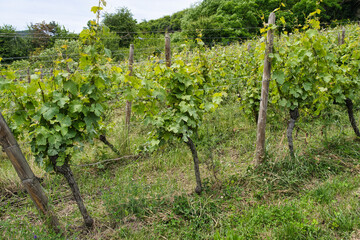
<point>350,110</point>
<point>192,147</point>
<point>294,115</point>
<point>65,170</point>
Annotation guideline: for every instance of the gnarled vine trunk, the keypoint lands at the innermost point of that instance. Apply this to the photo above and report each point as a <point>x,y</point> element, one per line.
<point>350,110</point>
<point>107,143</point>
<point>294,115</point>
<point>192,147</point>
<point>65,170</point>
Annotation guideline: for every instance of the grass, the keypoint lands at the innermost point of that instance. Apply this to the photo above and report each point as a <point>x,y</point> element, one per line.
<point>312,196</point>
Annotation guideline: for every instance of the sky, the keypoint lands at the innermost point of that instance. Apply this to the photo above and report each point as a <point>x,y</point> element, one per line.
<point>74,14</point>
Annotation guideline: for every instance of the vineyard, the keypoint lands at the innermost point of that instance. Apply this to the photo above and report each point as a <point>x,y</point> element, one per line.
<point>256,139</point>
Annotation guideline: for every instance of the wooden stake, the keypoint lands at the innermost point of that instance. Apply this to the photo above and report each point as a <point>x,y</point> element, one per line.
<point>28,179</point>
<point>128,103</point>
<point>260,138</point>
<point>28,75</point>
<point>167,49</point>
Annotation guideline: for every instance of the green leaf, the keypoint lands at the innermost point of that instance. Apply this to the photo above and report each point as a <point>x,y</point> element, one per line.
<point>64,130</point>
<point>5,84</point>
<point>20,118</point>
<point>340,98</point>
<point>184,107</point>
<point>60,99</point>
<point>174,128</point>
<point>107,52</point>
<point>76,106</point>
<point>311,33</point>
<point>71,87</point>
<point>283,102</point>
<point>209,106</point>
<point>41,135</point>
<point>307,86</point>
<point>55,140</point>
<point>34,77</point>
<point>100,83</point>
<point>91,121</point>
<point>70,134</point>
<point>52,152</point>
<point>49,112</point>
<point>65,121</point>
<point>279,76</point>
<point>99,109</point>
<point>95,9</point>
<point>32,87</point>
<point>326,76</point>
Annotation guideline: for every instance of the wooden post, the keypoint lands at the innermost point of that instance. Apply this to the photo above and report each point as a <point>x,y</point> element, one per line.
<point>260,138</point>
<point>28,75</point>
<point>343,36</point>
<point>249,47</point>
<point>67,68</point>
<point>128,103</point>
<point>26,175</point>
<point>167,49</point>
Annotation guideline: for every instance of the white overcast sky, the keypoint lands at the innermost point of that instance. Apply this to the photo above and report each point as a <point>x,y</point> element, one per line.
<point>74,14</point>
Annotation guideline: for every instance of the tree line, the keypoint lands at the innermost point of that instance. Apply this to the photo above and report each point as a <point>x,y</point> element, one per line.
<point>220,21</point>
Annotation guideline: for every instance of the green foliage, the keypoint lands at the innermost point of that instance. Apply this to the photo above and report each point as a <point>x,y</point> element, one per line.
<point>12,44</point>
<point>67,52</point>
<point>228,20</point>
<point>221,21</point>
<point>311,70</point>
<point>123,24</point>
<point>175,98</point>
<point>301,69</point>
<point>169,23</point>
<point>43,34</point>
<point>63,110</point>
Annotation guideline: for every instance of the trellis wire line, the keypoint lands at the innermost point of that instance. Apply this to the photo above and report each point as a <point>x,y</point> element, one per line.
<point>118,52</point>
<point>41,35</point>
<point>214,37</point>
<point>115,54</point>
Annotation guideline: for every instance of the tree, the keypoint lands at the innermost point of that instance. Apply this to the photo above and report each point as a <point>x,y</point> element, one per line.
<point>170,23</point>
<point>123,24</point>
<point>221,20</point>
<point>229,20</point>
<point>43,35</point>
<point>12,44</point>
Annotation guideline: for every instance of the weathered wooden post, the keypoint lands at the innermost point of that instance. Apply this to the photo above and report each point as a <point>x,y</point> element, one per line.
<point>341,37</point>
<point>26,175</point>
<point>260,138</point>
<point>167,49</point>
<point>41,74</point>
<point>28,75</point>
<point>128,103</point>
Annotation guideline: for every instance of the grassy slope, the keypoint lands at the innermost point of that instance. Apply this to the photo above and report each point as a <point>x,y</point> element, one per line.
<point>315,196</point>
